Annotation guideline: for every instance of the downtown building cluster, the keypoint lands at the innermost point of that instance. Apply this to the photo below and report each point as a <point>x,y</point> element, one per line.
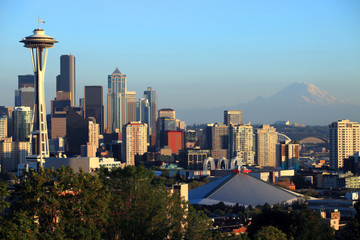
<point>134,131</point>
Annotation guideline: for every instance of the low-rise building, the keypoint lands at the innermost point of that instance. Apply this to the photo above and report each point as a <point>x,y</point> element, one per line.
<point>87,164</point>
<point>193,159</point>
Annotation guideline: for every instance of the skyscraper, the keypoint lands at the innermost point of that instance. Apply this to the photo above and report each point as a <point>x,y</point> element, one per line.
<point>26,81</point>
<point>58,114</point>
<point>287,155</point>
<point>174,139</point>
<point>94,106</point>
<point>266,140</point>
<point>143,113</point>
<point>134,141</point>
<point>22,117</point>
<point>241,143</point>
<point>344,141</point>
<point>12,153</point>
<point>116,101</point>
<point>77,132</point>
<point>151,96</point>
<point>93,132</point>
<point>167,122</point>
<point>167,112</point>
<point>24,97</point>
<point>232,117</point>
<point>3,125</point>
<point>66,80</point>
<point>130,106</point>
<point>217,136</point>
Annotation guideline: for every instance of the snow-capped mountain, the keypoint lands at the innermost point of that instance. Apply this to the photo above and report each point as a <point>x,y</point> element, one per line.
<point>299,102</point>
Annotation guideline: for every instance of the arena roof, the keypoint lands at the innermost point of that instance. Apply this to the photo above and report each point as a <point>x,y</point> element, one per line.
<point>242,189</point>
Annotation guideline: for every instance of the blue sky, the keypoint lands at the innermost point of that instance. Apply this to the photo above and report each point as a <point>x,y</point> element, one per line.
<point>194,53</point>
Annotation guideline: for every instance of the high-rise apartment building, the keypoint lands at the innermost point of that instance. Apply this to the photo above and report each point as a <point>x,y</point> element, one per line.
<point>93,132</point>
<point>151,96</point>
<point>266,140</point>
<point>66,80</point>
<point>232,117</point>
<point>3,122</point>
<point>134,141</point>
<point>12,154</point>
<point>93,104</point>
<point>121,104</point>
<point>344,141</point>
<point>217,136</point>
<point>22,120</point>
<point>241,143</point>
<point>287,155</point>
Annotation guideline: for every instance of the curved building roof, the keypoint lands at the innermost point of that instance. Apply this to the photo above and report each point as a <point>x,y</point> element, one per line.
<point>242,189</point>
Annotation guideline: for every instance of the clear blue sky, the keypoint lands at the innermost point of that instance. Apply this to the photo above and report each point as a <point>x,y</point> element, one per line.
<point>194,53</point>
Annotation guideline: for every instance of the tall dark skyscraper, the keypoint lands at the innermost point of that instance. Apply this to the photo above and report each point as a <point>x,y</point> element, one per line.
<point>94,105</point>
<point>24,95</point>
<point>151,96</point>
<point>25,81</point>
<point>66,80</point>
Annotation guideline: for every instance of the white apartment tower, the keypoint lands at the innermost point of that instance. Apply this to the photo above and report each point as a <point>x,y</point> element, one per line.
<point>241,143</point>
<point>266,140</point>
<point>134,141</point>
<point>344,141</point>
<point>93,132</point>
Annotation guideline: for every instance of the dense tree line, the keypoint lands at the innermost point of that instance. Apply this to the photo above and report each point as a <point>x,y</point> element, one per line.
<point>118,204</point>
<point>132,203</point>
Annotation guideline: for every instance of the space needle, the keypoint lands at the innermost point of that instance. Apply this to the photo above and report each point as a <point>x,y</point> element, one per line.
<point>39,142</point>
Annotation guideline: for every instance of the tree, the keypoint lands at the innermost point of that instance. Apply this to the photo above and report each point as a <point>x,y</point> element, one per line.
<point>64,204</point>
<point>144,209</point>
<point>18,225</point>
<point>197,225</point>
<point>270,233</point>
<point>4,193</point>
<point>296,224</point>
<point>352,230</point>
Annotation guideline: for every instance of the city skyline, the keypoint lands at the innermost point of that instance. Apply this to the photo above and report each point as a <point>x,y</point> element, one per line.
<point>243,44</point>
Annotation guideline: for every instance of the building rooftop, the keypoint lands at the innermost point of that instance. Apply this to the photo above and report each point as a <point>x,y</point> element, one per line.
<point>117,71</point>
<point>242,189</point>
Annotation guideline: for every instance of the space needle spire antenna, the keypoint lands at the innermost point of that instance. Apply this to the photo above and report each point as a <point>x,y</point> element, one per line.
<point>39,43</point>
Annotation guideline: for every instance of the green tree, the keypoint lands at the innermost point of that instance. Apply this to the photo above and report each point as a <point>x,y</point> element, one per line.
<point>18,225</point>
<point>296,224</point>
<point>270,233</point>
<point>197,225</point>
<point>64,204</point>
<point>352,230</point>
<point>143,210</point>
<point>4,193</point>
